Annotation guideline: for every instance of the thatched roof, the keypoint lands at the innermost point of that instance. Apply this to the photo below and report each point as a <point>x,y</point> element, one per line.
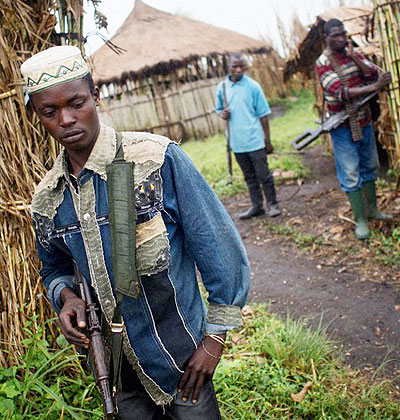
<point>357,20</point>
<point>155,41</point>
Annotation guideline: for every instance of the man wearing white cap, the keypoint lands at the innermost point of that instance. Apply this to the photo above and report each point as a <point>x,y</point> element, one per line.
<point>172,343</point>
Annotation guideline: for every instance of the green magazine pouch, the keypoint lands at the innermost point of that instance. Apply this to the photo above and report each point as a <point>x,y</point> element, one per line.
<point>123,216</point>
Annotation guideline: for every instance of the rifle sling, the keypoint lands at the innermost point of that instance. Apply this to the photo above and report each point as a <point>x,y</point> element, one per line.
<point>123,216</point>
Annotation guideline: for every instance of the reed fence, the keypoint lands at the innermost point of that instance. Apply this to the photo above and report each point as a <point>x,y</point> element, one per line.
<point>387,14</point>
<point>26,152</point>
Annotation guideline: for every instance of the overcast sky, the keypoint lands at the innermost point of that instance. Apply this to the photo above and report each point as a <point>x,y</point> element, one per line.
<point>255,18</point>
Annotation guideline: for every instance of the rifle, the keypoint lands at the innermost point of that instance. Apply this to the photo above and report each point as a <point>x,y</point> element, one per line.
<point>228,135</point>
<point>331,123</point>
<point>96,347</point>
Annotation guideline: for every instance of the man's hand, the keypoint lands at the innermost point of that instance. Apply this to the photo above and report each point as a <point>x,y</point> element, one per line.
<point>225,114</point>
<point>269,148</point>
<point>200,367</point>
<point>350,49</point>
<point>383,80</point>
<point>72,318</point>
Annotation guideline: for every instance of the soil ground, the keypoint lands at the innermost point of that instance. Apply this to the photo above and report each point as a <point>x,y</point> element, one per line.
<point>339,282</point>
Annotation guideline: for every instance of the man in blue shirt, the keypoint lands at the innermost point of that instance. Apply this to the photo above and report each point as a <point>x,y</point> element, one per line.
<point>172,342</point>
<point>247,110</point>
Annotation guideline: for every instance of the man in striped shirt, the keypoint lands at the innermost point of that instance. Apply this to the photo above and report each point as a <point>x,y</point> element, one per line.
<point>346,75</point>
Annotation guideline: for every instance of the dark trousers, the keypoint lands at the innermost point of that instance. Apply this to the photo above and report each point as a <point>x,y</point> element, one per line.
<point>254,166</point>
<point>134,403</point>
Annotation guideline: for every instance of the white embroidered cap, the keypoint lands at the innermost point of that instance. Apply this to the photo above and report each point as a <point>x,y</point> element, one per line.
<point>52,67</point>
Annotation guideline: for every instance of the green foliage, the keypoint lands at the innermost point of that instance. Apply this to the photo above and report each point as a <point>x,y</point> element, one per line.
<point>209,155</point>
<point>273,359</point>
<point>48,385</point>
<point>388,250</point>
<point>265,362</point>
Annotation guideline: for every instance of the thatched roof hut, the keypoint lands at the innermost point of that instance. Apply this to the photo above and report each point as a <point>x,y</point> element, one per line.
<point>358,21</point>
<point>164,81</point>
<point>156,42</point>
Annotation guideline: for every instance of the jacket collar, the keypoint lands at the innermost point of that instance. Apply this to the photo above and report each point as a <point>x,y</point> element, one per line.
<point>102,155</point>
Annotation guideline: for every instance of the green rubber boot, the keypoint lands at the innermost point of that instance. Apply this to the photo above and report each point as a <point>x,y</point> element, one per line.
<point>357,205</point>
<point>369,192</point>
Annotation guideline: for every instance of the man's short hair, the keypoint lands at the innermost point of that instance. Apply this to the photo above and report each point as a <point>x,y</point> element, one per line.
<point>332,23</point>
<point>89,79</point>
<point>236,56</point>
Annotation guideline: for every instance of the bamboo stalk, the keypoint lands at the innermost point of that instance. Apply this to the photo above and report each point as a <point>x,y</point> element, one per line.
<point>25,155</point>
<point>388,22</point>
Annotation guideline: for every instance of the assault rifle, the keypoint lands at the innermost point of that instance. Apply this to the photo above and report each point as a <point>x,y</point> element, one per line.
<point>332,122</point>
<point>96,347</point>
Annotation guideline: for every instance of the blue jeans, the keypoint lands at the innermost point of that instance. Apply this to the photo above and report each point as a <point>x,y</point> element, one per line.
<point>356,162</point>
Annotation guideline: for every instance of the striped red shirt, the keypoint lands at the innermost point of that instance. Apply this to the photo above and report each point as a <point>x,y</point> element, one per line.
<point>335,92</point>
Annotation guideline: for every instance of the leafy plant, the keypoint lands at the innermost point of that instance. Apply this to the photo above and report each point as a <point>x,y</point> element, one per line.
<point>270,359</point>
<point>388,250</point>
<point>48,384</point>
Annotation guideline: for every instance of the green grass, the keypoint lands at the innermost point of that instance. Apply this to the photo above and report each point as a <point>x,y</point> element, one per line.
<point>265,362</point>
<point>273,359</point>
<point>388,250</point>
<point>209,155</point>
<point>302,240</point>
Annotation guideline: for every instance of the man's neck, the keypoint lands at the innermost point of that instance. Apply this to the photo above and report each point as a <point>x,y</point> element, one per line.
<point>338,52</point>
<point>235,81</point>
<point>75,163</point>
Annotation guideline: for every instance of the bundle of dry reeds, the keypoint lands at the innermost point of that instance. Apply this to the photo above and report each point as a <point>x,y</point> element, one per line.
<point>388,21</point>
<point>26,27</point>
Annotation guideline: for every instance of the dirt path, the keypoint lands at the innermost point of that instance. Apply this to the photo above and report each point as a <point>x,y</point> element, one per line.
<point>363,315</point>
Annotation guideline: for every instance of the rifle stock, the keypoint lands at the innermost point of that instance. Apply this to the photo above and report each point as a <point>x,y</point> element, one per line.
<point>306,138</point>
<point>96,347</point>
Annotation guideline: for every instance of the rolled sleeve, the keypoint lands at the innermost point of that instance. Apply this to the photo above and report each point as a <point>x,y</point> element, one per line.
<point>55,289</point>
<point>221,318</point>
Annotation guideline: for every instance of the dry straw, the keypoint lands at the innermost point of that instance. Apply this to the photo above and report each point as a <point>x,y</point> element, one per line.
<point>26,27</point>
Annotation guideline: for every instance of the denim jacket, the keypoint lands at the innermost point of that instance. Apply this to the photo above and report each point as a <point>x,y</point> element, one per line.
<point>183,221</point>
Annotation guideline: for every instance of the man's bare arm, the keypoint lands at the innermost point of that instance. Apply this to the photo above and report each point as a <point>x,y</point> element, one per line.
<point>265,124</point>
<point>364,68</point>
<point>383,80</point>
